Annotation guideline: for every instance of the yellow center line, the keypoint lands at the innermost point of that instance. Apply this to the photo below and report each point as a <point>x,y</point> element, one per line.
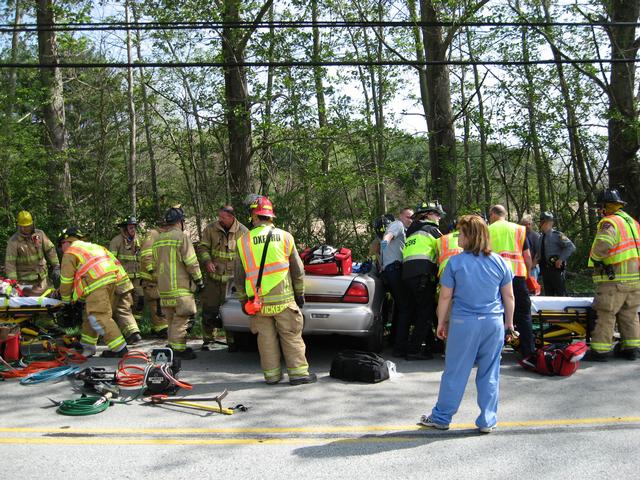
<point>310,430</point>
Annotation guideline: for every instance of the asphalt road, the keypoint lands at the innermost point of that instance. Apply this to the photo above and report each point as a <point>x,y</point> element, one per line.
<point>587,425</point>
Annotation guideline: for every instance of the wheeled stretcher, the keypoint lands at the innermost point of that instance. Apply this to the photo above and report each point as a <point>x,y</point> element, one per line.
<point>562,319</point>
<point>25,311</point>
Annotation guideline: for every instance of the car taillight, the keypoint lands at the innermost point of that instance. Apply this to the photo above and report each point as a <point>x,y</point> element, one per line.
<point>357,293</point>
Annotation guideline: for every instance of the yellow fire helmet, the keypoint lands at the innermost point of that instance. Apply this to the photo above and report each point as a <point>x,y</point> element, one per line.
<point>24,219</point>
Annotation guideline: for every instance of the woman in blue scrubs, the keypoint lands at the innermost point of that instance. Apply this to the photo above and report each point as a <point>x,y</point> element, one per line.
<point>479,283</point>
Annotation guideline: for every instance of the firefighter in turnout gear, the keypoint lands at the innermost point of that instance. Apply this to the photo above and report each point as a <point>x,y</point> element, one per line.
<point>615,257</point>
<point>90,273</point>
<point>150,285</point>
<point>419,272</point>
<point>217,253</point>
<point>509,240</point>
<point>29,251</point>
<point>273,298</point>
<point>125,248</point>
<point>175,265</point>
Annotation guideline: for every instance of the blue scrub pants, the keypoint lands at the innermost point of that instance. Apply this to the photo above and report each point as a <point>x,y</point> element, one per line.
<point>476,338</point>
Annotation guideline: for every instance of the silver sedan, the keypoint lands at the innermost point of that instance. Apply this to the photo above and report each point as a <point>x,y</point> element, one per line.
<point>343,304</point>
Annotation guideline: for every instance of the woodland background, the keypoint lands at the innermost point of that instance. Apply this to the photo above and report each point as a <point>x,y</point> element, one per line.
<point>116,108</point>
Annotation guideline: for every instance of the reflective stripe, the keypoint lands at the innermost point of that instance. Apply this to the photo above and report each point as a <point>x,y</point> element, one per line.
<point>301,371</point>
<point>224,255</point>
<point>180,347</point>
<point>220,277</point>
<point>507,240</point>
<point>129,329</point>
<point>447,248</point>
<point>420,246</point>
<point>273,373</point>
<point>624,251</point>
<point>97,268</point>
<point>88,339</point>
<point>601,347</point>
<point>115,343</point>
<point>633,342</point>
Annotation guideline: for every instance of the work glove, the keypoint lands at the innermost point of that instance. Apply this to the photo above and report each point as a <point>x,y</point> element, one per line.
<point>55,275</point>
<point>383,244</point>
<point>199,285</point>
<point>300,300</point>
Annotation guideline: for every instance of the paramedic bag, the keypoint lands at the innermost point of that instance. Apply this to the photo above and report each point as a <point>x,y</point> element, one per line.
<point>555,359</point>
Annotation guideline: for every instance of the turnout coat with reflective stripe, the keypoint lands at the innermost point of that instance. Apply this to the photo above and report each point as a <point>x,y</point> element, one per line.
<point>219,246</point>
<point>128,253</point>
<point>175,264</point>
<point>146,256</point>
<point>507,240</point>
<point>283,276</point>
<point>617,243</point>
<point>87,267</point>
<point>27,256</point>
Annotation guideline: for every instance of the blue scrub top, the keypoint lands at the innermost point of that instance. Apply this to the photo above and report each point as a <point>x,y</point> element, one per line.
<point>476,283</point>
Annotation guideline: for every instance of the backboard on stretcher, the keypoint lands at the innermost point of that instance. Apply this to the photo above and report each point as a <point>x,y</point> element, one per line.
<point>20,310</point>
<point>562,319</point>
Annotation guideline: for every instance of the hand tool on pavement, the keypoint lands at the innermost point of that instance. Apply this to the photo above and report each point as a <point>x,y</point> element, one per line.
<point>185,401</point>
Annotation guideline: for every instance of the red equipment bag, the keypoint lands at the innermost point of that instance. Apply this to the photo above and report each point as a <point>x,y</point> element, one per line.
<point>555,359</point>
<point>10,348</point>
<point>327,260</point>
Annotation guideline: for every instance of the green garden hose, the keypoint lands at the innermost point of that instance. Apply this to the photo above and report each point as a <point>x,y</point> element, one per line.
<point>83,406</point>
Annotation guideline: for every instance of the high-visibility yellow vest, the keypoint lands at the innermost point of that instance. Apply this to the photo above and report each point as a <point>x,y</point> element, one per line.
<point>420,246</point>
<point>507,240</point>
<point>447,247</point>
<point>96,268</point>
<point>276,264</point>
<point>624,252</point>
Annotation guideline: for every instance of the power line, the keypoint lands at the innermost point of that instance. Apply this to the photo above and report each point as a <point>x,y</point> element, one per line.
<point>180,25</point>
<point>307,64</point>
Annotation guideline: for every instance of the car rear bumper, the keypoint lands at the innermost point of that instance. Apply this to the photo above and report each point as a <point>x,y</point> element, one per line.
<point>319,318</point>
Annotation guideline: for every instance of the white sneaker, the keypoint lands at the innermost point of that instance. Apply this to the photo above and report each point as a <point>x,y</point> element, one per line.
<point>487,429</point>
<point>428,422</point>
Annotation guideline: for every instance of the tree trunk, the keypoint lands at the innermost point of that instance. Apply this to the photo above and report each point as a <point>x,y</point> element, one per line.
<point>147,122</point>
<point>422,78</point>
<point>534,139</point>
<point>237,107</point>
<point>132,163</point>
<point>442,141</point>
<point>624,169</point>
<point>482,130</point>
<point>325,145</point>
<point>56,137</point>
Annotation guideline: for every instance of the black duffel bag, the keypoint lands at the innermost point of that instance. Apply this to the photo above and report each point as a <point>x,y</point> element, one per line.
<point>358,366</point>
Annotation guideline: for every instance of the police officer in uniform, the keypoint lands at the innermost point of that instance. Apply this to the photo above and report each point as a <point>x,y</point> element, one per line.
<point>419,274</point>
<point>615,256</point>
<point>275,305</point>
<point>553,250</point>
